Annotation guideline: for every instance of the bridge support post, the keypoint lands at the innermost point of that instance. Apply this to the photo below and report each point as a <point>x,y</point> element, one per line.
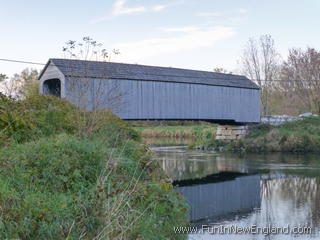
<point>231,132</point>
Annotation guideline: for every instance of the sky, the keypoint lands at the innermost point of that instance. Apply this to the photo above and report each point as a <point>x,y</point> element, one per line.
<point>194,34</point>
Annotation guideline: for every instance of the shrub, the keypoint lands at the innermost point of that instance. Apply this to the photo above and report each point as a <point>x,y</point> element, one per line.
<point>115,131</point>
<point>47,187</point>
<point>58,184</point>
<point>39,115</point>
<point>34,117</point>
<point>215,144</point>
<point>65,187</point>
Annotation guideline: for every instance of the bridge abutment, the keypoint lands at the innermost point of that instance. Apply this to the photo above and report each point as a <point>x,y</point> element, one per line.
<point>231,132</point>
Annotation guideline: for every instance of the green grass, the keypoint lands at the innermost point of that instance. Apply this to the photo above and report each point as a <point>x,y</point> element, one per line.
<point>299,136</point>
<point>198,132</point>
<point>58,184</point>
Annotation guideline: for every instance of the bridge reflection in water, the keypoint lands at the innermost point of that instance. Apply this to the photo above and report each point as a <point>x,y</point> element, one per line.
<point>214,200</point>
<point>269,190</point>
<point>257,200</point>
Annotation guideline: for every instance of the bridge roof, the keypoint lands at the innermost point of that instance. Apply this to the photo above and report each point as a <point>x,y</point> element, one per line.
<point>121,71</point>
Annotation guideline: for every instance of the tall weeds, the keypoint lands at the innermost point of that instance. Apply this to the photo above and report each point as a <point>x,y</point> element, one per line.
<point>58,184</point>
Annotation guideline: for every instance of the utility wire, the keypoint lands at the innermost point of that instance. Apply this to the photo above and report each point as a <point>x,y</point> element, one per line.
<point>78,68</point>
<point>19,61</point>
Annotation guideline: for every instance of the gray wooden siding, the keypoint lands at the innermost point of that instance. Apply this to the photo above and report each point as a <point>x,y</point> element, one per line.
<point>161,100</point>
<point>80,92</point>
<point>166,100</point>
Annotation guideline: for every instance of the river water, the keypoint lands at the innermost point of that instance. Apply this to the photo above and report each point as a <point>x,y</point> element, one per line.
<point>251,196</point>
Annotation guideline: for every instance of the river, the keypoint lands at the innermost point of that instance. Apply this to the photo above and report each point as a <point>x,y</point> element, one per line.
<point>250,196</point>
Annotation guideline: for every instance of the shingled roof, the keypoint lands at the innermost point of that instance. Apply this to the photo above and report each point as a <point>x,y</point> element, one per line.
<point>121,71</point>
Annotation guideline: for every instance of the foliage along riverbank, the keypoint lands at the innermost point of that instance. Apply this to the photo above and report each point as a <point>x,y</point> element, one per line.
<point>198,133</point>
<point>65,175</point>
<point>297,137</point>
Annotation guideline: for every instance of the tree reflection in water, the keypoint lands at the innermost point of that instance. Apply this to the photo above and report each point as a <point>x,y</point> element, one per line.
<point>276,190</point>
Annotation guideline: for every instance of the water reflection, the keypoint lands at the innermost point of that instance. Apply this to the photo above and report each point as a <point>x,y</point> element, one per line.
<point>220,199</point>
<point>271,190</point>
<point>292,202</point>
<point>181,163</point>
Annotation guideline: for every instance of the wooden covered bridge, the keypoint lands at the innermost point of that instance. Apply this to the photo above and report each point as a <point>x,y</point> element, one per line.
<point>138,92</point>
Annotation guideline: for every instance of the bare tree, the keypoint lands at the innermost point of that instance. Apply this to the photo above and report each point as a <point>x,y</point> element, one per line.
<point>106,93</point>
<point>221,70</point>
<point>260,63</point>
<point>20,85</point>
<point>301,75</point>
<point>88,49</point>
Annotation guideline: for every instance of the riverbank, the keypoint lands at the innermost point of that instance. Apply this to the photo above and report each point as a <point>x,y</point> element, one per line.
<point>68,174</point>
<point>298,137</point>
<point>196,133</point>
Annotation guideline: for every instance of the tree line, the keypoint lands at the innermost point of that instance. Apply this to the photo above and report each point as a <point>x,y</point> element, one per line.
<point>288,86</point>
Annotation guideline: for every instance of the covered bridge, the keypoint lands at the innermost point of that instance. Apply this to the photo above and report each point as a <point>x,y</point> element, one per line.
<point>138,92</point>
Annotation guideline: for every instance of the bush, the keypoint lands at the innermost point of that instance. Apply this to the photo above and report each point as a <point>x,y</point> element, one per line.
<point>65,187</point>
<point>47,187</point>
<point>34,117</point>
<point>41,115</point>
<point>115,131</point>
<point>215,144</point>
<point>58,183</point>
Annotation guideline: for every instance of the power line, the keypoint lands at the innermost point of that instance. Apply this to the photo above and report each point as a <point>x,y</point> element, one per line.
<point>287,80</point>
<point>79,68</point>
<point>19,61</point>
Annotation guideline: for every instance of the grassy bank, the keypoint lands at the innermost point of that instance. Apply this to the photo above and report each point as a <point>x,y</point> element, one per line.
<point>62,177</point>
<point>197,132</point>
<point>300,136</point>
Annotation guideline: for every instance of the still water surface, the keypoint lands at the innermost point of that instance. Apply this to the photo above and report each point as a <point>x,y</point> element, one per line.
<point>232,191</point>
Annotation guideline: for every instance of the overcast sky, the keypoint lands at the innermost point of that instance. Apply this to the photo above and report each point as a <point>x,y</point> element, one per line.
<point>196,34</point>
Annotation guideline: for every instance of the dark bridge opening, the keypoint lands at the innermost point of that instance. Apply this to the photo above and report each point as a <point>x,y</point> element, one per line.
<point>52,87</point>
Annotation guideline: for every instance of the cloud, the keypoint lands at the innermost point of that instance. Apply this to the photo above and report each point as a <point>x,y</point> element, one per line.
<point>188,40</point>
<point>179,29</point>
<point>240,11</point>
<point>159,8</point>
<point>120,8</point>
